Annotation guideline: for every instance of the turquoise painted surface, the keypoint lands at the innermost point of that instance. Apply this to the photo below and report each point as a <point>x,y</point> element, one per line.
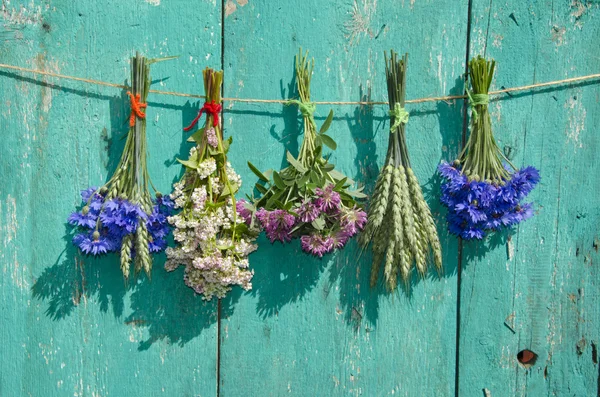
<point>309,327</point>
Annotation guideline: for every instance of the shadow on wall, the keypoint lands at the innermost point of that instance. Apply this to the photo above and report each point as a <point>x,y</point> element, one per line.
<point>170,311</point>
<point>164,305</point>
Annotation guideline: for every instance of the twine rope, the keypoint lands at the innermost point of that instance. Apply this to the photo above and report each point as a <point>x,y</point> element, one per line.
<point>476,100</point>
<point>284,101</point>
<point>400,116</point>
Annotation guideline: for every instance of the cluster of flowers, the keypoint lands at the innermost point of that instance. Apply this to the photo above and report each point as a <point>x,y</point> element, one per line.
<point>213,241</point>
<point>477,207</point>
<point>103,223</point>
<point>337,225</point>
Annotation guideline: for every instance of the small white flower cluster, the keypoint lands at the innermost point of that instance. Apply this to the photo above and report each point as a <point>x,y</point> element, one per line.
<point>213,262</point>
<point>207,168</point>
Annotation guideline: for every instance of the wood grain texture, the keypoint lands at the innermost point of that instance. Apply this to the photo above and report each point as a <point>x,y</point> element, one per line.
<point>543,297</point>
<point>69,325</point>
<point>313,327</point>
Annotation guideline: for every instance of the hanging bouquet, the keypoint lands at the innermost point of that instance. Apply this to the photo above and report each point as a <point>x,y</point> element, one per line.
<point>213,240</point>
<point>483,190</point>
<point>309,199</point>
<point>400,225</point>
<point>122,216</point>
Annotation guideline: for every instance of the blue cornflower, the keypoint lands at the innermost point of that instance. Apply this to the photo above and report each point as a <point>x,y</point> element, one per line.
<point>121,216</point>
<point>93,243</point>
<point>88,220</point>
<point>476,208</point>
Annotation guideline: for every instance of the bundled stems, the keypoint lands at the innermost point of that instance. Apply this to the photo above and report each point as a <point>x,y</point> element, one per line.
<point>122,215</point>
<point>309,199</point>
<point>481,158</point>
<point>482,189</point>
<point>399,224</point>
<point>213,240</point>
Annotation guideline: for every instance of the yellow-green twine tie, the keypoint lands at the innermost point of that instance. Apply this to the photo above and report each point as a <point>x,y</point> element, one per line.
<point>477,99</point>
<point>307,109</point>
<point>400,116</point>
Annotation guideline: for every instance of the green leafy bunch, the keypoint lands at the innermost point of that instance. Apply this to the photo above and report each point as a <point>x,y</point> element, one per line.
<point>307,177</point>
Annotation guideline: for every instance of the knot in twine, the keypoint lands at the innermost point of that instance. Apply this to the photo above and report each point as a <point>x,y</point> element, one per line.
<point>306,108</point>
<point>136,108</point>
<point>212,109</point>
<point>477,99</point>
<point>400,116</point>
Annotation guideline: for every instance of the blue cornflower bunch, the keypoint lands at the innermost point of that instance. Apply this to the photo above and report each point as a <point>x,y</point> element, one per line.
<point>122,216</point>
<point>482,189</point>
<point>104,223</point>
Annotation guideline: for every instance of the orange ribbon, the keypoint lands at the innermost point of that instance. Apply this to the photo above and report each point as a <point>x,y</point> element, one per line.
<point>136,108</point>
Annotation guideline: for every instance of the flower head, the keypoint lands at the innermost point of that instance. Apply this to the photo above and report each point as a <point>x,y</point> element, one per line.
<point>476,208</point>
<point>317,244</point>
<point>328,199</point>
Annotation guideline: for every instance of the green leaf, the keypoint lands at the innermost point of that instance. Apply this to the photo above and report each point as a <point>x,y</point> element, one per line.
<point>318,223</point>
<point>278,181</point>
<point>356,194</point>
<point>302,181</point>
<point>273,198</point>
<point>196,136</point>
<point>257,172</point>
<point>261,188</point>
<point>340,184</point>
<point>328,167</point>
<point>328,141</point>
<point>227,143</point>
<point>295,163</point>
<point>189,164</point>
<point>327,123</point>
<point>338,176</point>
<point>227,191</point>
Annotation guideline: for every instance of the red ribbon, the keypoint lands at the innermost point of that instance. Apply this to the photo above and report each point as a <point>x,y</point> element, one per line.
<point>211,108</point>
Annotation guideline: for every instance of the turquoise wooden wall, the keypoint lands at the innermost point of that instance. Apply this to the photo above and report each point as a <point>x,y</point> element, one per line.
<point>69,325</point>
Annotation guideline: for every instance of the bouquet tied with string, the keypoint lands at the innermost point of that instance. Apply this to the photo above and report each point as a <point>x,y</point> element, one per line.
<point>121,216</point>
<point>400,225</point>
<point>213,240</point>
<point>309,199</point>
<point>482,189</point>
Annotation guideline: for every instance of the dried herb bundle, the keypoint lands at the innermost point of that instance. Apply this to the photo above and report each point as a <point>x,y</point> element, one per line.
<point>483,190</point>
<point>308,199</point>
<point>399,226</point>
<point>213,240</point>
<point>121,216</point>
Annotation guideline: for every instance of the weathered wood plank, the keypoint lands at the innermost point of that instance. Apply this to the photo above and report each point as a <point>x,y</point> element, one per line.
<point>313,327</point>
<point>545,297</point>
<point>69,325</point>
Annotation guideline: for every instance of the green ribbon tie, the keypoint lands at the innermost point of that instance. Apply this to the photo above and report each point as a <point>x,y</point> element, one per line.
<point>306,108</point>
<point>400,116</point>
<point>477,99</point>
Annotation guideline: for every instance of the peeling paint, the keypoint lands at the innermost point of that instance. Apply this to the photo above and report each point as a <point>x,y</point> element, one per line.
<point>230,8</point>
<point>153,2</point>
<point>22,16</point>
<point>576,124</point>
<point>558,35</point>
<point>359,24</point>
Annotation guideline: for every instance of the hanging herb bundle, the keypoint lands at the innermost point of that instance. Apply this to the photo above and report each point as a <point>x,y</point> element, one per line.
<point>213,241</point>
<point>121,216</point>
<point>400,226</point>
<point>483,190</point>
<point>309,199</point>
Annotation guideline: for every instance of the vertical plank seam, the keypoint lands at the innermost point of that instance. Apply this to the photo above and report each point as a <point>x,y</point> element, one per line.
<point>218,391</point>
<point>460,242</point>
